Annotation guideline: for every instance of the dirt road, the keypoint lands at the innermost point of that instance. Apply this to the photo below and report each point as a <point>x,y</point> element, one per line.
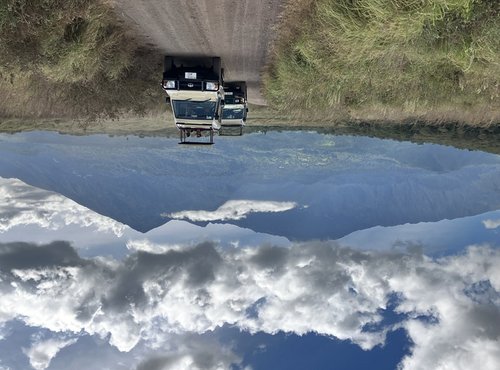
<point>239,31</point>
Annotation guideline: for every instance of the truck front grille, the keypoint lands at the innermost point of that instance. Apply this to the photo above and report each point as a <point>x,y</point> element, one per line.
<point>190,85</point>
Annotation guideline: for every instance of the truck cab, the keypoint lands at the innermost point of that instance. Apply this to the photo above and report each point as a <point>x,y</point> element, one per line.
<point>194,88</point>
<point>235,109</point>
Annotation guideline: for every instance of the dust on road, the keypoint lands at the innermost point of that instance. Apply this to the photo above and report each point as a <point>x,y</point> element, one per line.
<point>239,31</point>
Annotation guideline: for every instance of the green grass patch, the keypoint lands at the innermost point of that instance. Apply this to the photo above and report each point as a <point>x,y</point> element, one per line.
<point>437,59</point>
<point>67,41</point>
<point>72,58</point>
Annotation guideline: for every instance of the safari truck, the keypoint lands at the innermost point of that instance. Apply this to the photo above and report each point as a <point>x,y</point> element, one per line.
<point>234,112</point>
<point>194,88</point>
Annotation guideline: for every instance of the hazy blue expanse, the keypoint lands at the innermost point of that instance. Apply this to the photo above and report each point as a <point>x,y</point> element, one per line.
<point>340,183</point>
<point>283,250</point>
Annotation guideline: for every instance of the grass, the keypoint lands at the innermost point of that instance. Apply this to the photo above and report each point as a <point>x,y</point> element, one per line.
<point>431,60</point>
<point>334,61</point>
<point>72,58</point>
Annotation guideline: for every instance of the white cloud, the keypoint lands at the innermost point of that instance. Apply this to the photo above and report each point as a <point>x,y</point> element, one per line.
<point>463,293</point>
<point>144,245</point>
<point>37,216</point>
<point>21,204</point>
<point>234,210</point>
<point>191,353</point>
<point>309,287</point>
<point>41,353</point>
<point>491,224</point>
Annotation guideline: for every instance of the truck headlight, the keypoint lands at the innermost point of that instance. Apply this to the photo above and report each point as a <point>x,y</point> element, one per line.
<point>169,84</point>
<point>213,86</point>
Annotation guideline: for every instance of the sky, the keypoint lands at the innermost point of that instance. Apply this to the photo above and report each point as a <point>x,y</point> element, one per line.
<point>398,271</point>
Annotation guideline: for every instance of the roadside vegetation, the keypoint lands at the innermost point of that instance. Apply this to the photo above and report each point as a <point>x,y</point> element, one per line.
<point>388,60</point>
<point>61,58</point>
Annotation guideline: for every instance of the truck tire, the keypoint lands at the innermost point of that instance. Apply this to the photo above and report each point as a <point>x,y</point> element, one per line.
<point>216,67</point>
<point>168,64</point>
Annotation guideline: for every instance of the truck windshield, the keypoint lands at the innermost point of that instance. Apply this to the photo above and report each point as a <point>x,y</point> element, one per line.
<point>189,109</point>
<point>232,113</point>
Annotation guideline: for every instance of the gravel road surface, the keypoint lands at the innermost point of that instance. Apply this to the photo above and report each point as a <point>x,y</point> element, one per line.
<point>239,31</point>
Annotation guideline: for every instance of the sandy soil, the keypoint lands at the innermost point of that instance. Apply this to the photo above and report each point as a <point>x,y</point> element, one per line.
<point>239,31</point>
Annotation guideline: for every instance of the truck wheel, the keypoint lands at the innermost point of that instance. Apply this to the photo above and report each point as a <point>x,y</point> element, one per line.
<point>168,64</point>
<point>216,68</point>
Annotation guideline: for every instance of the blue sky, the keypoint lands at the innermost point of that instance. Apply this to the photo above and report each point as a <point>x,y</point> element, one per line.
<point>309,251</point>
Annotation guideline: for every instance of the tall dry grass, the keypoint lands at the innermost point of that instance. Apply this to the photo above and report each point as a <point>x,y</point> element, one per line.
<point>72,58</point>
<point>389,59</point>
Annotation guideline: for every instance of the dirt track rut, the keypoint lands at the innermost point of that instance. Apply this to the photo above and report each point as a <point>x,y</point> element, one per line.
<point>239,31</point>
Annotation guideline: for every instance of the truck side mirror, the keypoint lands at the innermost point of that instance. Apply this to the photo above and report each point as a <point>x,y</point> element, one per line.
<point>167,99</point>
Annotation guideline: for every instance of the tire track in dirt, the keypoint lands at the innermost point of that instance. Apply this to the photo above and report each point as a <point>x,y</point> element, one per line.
<point>239,31</point>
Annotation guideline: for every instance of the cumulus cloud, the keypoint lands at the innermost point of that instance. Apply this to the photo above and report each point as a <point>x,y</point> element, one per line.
<point>309,287</point>
<point>234,210</point>
<point>193,353</point>
<point>21,204</point>
<point>491,224</point>
<point>42,352</point>
<point>463,294</point>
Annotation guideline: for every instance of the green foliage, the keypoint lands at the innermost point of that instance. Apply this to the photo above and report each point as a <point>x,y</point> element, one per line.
<point>351,54</point>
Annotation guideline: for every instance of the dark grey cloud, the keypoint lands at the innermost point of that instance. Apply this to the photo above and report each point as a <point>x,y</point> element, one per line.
<point>196,266</point>
<point>158,363</point>
<point>270,257</point>
<point>29,256</point>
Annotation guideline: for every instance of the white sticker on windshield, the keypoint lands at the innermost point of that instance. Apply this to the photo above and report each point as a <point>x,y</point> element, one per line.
<point>190,75</point>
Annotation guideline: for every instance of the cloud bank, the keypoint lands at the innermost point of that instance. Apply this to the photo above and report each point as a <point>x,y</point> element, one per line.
<point>234,210</point>
<point>309,287</point>
<point>21,204</point>
<point>37,216</point>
